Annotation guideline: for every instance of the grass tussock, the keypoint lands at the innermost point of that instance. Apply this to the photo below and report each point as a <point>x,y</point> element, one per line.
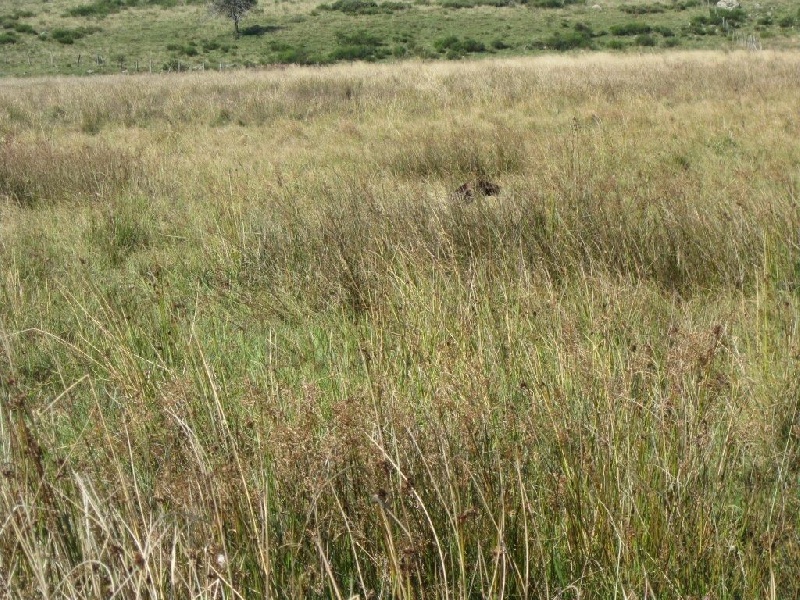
<point>274,355</point>
<point>36,171</point>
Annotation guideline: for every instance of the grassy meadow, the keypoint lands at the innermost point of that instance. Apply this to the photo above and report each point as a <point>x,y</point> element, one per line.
<point>112,36</point>
<point>251,345</point>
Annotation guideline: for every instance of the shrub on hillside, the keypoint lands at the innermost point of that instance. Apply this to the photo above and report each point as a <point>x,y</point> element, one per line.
<point>632,28</point>
<point>8,37</point>
<point>716,19</point>
<point>643,9</point>
<point>359,45</point>
<point>100,8</point>
<point>645,40</point>
<point>474,3</point>
<point>10,21</point>
<point>571,40</point>
<point>364,7</point>
<point>70,36</point>
<point>453,46</point>
<point>553,3</point>
<point>24,28</point>
<point>581,37</point>
<point>103,8</point>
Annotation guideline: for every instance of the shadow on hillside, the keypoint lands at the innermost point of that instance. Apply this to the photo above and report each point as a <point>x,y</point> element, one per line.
<point>260,29</point>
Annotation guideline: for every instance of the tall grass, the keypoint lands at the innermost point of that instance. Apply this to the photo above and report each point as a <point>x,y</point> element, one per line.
<point>271,354</point>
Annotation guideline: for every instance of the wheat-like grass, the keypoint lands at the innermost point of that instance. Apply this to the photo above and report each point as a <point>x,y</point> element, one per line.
<point>252,345</point>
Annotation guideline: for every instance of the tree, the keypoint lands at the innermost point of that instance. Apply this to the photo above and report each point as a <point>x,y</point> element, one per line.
<point>232,9</point>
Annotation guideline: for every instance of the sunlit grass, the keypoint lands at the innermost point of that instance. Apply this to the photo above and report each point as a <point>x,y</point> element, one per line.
<point>252,343</point>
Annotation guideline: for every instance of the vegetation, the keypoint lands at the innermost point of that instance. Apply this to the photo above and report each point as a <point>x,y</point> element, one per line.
<point>233,10</point>
<point>306,31</point>
<point>365,7</point>
<point>70,36</point>
<point>252,346</point>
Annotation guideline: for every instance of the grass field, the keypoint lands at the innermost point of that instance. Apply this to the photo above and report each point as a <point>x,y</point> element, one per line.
<point>110,36</point>
<point>251,345</point>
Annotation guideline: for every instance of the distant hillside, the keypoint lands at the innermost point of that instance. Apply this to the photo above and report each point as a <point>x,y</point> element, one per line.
<point>105,36</point>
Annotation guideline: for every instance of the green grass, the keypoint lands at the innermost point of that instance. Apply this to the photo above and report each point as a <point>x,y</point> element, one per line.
<point>251,344</point>
<point>141,35</point>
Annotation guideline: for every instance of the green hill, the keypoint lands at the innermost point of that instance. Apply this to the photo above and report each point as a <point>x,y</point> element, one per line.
<point>108,36</point>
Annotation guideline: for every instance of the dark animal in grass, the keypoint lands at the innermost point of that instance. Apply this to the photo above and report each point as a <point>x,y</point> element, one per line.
<point>477,187</point>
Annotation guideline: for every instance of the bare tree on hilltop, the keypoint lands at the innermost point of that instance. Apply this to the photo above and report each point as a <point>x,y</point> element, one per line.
<point>232,9</point>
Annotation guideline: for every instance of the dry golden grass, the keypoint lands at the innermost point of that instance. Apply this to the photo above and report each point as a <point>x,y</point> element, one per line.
<point>252,345</point>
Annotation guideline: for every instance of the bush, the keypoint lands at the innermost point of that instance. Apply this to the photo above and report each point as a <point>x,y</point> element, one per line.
<point>632,28</point>
<point>70,36</point>
<point>553,3</point>
<point>365,7</point>
<point>645,40</point>
<point>23,28</point>
<point>473,3</point>
<point>704,25</point>
<point>454,47</point>
<point>358,38</point>
<point>299,56</point>
<point>8,37</point>
<point>571,40</point>
<point>259,30</point>
<point>643,9</point>
<point>10,21</point>
<point>365,53</point>
<point>100,8</point>
<point>103,8</point>
<point>359,45</point>
<point>787,22</point>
